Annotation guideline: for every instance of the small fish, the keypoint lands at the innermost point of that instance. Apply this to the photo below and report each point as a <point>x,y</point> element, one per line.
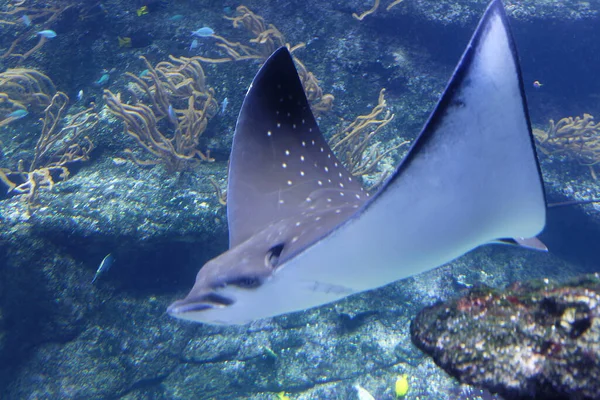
<point>135,40</point>
<point>401,386</point>
<point>269,352</point>
<point>80,95</point>
<point>142,11</point>
<point>47,33</point>
<point>224,104</point>
<point>176,17</point>
<point>172,115</point>
<point>105,265</point>
<point>124,41</point>
<point>26,20</point>
<point>537,84</point>
<point>282,396</point>
<point>17,114</point>
<point>144,73</point>
<point>194,44</point>
<point>103,80</point>
<point>203,32</point>
<point>362,393</point>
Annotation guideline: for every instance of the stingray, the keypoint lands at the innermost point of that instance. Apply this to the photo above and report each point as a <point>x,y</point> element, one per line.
<point>303,231</point>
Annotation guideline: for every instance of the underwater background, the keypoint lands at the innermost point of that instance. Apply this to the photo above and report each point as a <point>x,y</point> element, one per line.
<point>92,174</point>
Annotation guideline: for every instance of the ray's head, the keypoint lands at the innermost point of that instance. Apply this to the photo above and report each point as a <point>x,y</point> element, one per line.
<point>226,291</point>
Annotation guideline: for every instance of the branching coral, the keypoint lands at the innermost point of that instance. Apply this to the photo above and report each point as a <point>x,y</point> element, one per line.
<point>578,138</point>
<point>22,89</point>
<point>267,39</point>
<point>173,96</point>
<point>59,144</point>
<point>374,8</point>
<point>25,21</point>
<point>353,143</point>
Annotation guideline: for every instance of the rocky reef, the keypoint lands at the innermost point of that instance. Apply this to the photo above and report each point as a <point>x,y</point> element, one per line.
<point>534,340</point>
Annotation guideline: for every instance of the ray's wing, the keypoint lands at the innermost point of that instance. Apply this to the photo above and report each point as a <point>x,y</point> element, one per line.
<point>280,162</point>
<point>474,163</point>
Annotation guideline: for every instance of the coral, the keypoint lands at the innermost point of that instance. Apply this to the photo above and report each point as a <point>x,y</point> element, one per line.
<point>23,89</point>
<point>268,39</point>
<point>173,96</point>
<point>353,143</point>
<point>59,144</point>
<point>374,8</point>
<point>578,138</point>
<point>40,17</point>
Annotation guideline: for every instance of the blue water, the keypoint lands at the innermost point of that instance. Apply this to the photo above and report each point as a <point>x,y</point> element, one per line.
<point>63,338</point>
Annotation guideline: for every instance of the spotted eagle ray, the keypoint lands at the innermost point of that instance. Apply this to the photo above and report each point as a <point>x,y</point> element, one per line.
<point>302,230</point>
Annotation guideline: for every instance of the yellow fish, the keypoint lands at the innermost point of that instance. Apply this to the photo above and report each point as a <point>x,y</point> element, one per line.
<point>124,41</point>
<point>282,396</point>
<point>142,11</point>
<point>401,387</point>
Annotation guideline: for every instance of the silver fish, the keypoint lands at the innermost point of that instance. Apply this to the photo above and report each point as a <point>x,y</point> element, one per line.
<point>224,104</point>
<point>105,265</point>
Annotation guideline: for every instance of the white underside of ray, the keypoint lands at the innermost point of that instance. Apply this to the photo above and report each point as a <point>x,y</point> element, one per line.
<point>477,181</point>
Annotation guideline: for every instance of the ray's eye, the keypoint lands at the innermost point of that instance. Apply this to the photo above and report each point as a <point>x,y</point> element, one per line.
<point>272,256</point>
